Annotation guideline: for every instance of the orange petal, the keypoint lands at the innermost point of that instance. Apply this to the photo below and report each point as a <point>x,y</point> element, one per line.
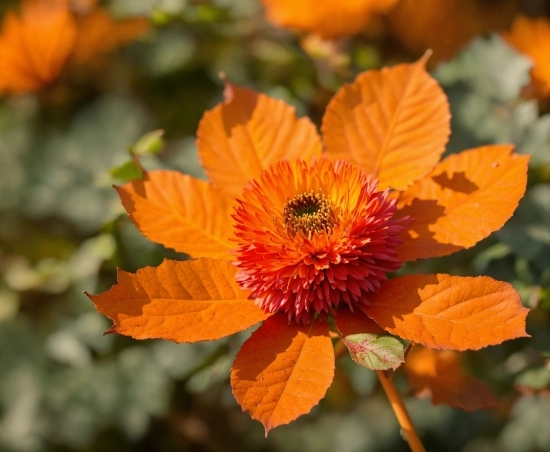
<point>464,199</point>
<point>99,33</point>
<point>357,322</point>
<point>449,312</point>
<point>392,123</point>
<point>35,47</point>
<point>439,373</point>
<point>180,212</point>
<point>248,132</point>
<point>327,18</point>
<point>532,37</point>
<point>186,301</point>
<point>282,370</point>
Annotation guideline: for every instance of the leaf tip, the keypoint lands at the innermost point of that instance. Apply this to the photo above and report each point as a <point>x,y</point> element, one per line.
<point>424,58</point>
<point>112,330</point>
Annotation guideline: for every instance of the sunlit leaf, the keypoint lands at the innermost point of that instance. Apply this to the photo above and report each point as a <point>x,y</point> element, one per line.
<point>392,123</point>
<point>375,352</point>
<point>464,199</point>
<point>439,374</point>
<point>445,26</point>
<point>532,38</point>
<point>185,301</point>
<point>248,132</point>
<point>449,312</point>
<point>99,34</point>
<point>325,18</point>
<point>180,212</point>
<point>283,370</point>
<point>35,47</point>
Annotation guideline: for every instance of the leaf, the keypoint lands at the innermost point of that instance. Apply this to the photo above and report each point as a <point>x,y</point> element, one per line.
<point>283,370</point>
<point>449,312</point>
<point>99,34</point>
<point>150,143</point>
<point>180,212</point>
<point>465,198</point>
<point>445,26</point>
<point>36,46</point>
<point>530,36</point>
<point>248,132</point>
<point>185,301</point>
<point>439,373</point>
<point>127,171</point>
<point>326,19</point>
<point>375,352</point>
<point>392,123</point>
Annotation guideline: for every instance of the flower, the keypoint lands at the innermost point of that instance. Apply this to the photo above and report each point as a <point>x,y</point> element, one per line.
<point>317,227</point>
<point>313,236</point>
<point>37,45</point>
<point>532,38</point>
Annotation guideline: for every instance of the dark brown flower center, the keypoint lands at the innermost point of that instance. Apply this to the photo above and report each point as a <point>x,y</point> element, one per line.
<point>308,213</point>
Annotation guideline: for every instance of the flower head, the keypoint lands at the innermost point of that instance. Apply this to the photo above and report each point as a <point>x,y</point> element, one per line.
<point>318,225</point>
<point>314,235</point>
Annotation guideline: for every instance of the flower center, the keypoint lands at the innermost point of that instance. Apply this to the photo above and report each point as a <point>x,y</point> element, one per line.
<point>308,213</point>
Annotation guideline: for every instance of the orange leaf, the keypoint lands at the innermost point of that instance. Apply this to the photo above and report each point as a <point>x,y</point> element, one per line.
<point>327,19</point>
<point>99,33</point>
<point>439,373</point>
<point>464,199</point>
<point>418,24</point>
<point>248,132</point>
<point>185,301</point>
<point>357,322</point>
<point>180,212</point>
<point>283,370</point>
<point>35,47</point>
<point>449,312</point>
<point>532,37</point>
<point>392,123</point>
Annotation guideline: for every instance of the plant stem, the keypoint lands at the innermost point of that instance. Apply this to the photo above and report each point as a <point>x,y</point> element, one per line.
<point>401,413</point>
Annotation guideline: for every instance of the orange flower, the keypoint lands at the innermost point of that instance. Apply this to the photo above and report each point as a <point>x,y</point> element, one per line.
<point>36,46</point>
<point>327,18</point>
<point>317,234</point>
<point>314,236</point>
<point>532,37</point>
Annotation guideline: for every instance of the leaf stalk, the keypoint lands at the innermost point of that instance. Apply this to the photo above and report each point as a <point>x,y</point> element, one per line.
<point>401,413</point>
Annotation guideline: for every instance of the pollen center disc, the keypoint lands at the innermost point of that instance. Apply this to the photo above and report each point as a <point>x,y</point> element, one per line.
<point>307,213</point>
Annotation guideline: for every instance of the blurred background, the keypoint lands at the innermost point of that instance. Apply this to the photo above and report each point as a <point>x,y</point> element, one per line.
<point>112,71</point>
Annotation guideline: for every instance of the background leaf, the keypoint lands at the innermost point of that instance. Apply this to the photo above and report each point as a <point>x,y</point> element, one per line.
<point>439,374</point>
